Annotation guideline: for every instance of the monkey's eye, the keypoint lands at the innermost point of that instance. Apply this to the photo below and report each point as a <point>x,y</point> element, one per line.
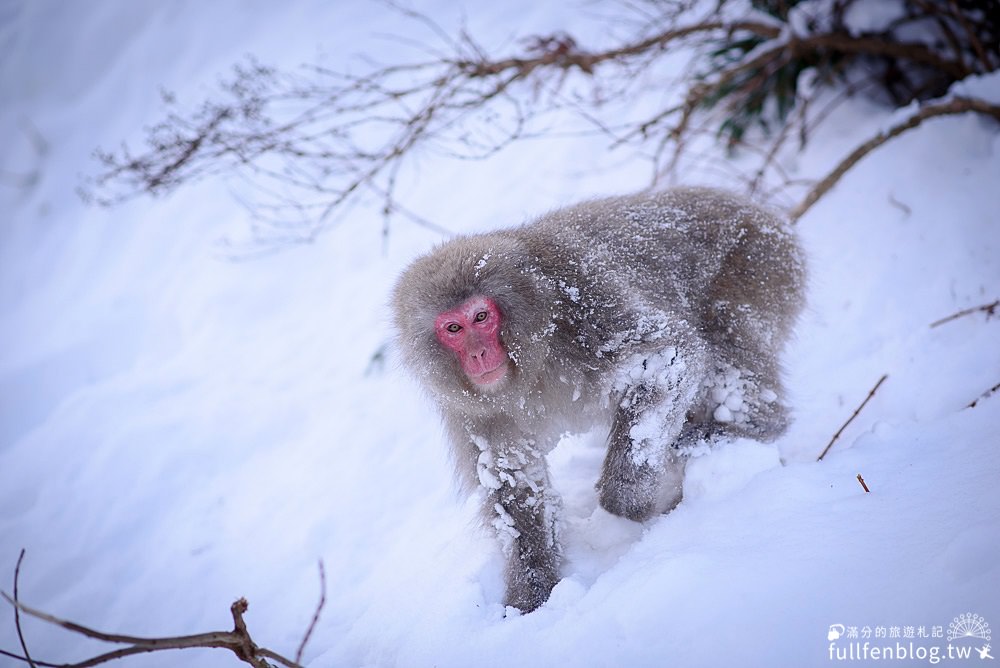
<point>482,315</point>
<point>454,327</point>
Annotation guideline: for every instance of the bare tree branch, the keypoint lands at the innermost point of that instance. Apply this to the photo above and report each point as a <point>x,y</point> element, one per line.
<point>988,309</point>
<point>970,32</point>
<point>17,612</point>
<point>958,105</point>
<point>237,641</point>
<point>985,395</point>
<point>315,617</point>
<point>317,141</point>
<point>851,419</point>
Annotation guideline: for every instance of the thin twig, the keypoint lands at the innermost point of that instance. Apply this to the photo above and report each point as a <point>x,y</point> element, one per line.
<point>18,657</point>
<point>863,485</point>
<point>970,32</point>
<point>958,105</point>
<point>989,309</point>
<point>851,419</point>
<point>985,395</point>
<point>17,613</point>
<point>315,618</point>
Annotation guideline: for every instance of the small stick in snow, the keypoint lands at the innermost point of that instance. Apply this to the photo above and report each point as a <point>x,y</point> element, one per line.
<point>990,310</point>
<point>851,419</point>
<point>985,395</point>
<point>899,205</point>
<point>863,485</point>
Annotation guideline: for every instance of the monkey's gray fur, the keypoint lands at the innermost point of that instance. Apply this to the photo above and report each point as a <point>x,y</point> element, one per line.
<point>660,316</point>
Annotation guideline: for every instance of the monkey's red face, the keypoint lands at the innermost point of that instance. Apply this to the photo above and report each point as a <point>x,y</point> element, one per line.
<point>471,330</point>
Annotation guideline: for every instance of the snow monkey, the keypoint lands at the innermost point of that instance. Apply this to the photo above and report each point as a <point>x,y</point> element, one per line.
<point>658,317</point>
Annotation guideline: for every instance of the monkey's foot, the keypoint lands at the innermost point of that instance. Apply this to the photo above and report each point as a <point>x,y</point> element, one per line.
<point>639,502</point>
<point>529,587</point>
<point>644,491</point>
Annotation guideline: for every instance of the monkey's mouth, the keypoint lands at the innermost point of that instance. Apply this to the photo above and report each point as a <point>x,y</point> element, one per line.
<point>491,377</point>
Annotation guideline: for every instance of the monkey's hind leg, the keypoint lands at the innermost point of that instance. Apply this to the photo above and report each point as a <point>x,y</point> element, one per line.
<point>740,402</point>
<point>747,317</point>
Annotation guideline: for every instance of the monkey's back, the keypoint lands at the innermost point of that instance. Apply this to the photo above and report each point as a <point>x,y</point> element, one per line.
<point>685,234</point>
<point>734,269</point>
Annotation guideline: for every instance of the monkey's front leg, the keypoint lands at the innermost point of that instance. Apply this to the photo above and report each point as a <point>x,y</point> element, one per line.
<point>643,472</point>
<point>520,506</point>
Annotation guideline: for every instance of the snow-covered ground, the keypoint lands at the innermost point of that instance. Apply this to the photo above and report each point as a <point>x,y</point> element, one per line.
<point>178,429</point>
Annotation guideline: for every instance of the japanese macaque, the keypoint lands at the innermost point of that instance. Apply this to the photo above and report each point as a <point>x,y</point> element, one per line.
<point>657,316</point>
